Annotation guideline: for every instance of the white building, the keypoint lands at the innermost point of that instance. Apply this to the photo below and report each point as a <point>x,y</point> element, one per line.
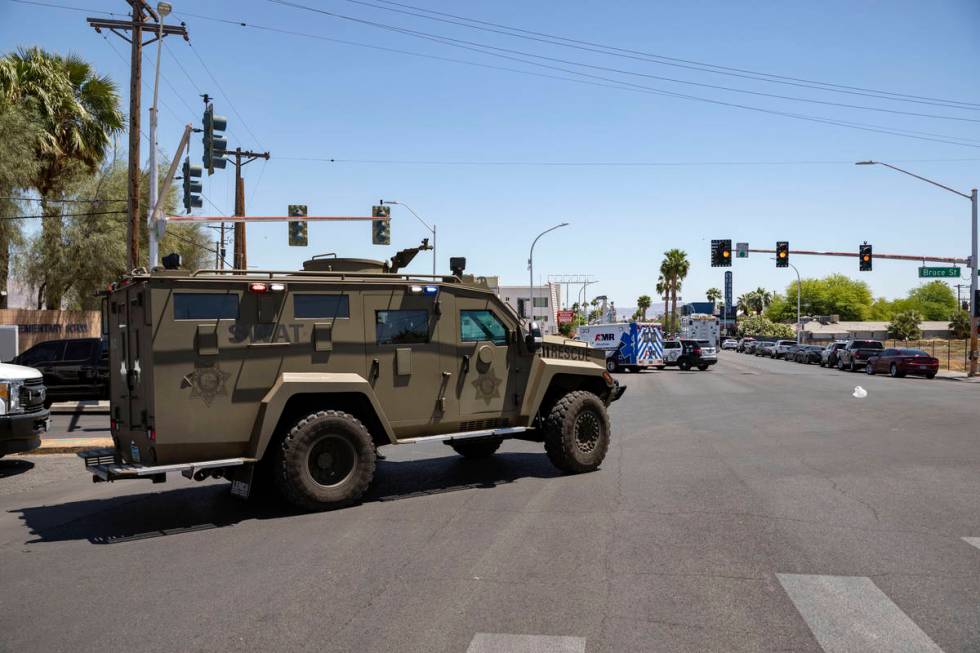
<point>546,301</point>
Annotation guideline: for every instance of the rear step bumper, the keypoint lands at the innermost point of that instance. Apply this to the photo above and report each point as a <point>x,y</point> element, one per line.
<point>106,466</point>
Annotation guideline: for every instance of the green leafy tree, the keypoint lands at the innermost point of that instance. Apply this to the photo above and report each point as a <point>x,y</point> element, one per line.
<point>934,300</point>
<point>674,269</point>
<point>959,325</point>
<point>905,326</point>
<point>77,112</point>
<point>761,326</point>
<point>95,243</point>
<point>18,165</point>
<point>643,303</point>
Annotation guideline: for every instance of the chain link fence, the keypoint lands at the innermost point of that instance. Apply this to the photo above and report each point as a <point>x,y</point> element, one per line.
<point>952,354</point>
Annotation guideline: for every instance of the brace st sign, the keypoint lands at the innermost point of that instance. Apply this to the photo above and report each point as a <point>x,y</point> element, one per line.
<point>939,273</point>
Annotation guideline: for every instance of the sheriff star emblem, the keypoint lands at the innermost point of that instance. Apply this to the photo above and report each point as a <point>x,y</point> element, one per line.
<point>206,383</point>
<point>487,386</point>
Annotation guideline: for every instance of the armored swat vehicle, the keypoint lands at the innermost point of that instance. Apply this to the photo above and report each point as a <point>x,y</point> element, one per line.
<point>294,379</point>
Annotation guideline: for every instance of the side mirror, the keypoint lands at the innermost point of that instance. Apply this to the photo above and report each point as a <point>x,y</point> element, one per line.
<point>533,339</point>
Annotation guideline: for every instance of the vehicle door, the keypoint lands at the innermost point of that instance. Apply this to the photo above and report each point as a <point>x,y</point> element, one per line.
<point>488,361</point>
<point>72,369</point>
<point>44,357</point>
<point>410,364</point>
<point>672,351</point>
<point>883,359</point>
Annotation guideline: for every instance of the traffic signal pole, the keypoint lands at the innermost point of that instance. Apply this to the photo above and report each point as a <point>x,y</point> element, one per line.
<point>974,308</point>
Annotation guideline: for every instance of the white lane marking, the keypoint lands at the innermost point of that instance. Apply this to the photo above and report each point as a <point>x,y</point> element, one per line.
<point>850,613</point>
<point>975,541</point>
<point>503,643</point>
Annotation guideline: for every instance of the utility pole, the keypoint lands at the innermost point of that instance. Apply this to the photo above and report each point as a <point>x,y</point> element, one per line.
<point>242,157</point>
<point>132,31</point>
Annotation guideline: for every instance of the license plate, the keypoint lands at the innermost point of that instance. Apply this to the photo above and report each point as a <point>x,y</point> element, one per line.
<point>241,489</point>
<point>134,452</point>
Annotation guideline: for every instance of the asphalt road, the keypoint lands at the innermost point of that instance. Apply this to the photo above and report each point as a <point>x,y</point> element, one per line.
<point>78,425</point>
<point>754,507</point>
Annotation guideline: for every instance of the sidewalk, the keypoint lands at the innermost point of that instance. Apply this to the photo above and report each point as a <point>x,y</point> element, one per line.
<point>946,375</point>
<point>92,406</point>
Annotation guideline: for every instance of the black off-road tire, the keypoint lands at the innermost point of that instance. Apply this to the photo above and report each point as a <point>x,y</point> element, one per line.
<point>475,449</point>
<point>576,432</point>
<point>702,367</point>
<point>684,364</point>
<point>344,459</point>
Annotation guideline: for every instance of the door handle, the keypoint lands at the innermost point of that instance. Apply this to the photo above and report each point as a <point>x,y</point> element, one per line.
<point>375,368</point>
<point>466,363</point>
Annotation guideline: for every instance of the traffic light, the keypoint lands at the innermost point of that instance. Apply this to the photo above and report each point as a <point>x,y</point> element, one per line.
<point>721,253</point>
<point>298,233</point>
<point>381,225</point>
<point>865,258</point>
<point>782,254</point>
<point>191,201</point>
<point>215,144</point>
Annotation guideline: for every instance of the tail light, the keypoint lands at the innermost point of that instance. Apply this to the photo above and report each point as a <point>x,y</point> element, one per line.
<point>261,288</point>
<point>112,424</point>
<point>151,435</point>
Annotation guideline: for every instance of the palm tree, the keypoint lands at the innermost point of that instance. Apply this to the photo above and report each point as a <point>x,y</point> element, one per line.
<point>674,269</point>
<point>713,295</point>
<point>763,299</point>
<point>643,303</point>
<point>78,113</point>
<point>745,302</point>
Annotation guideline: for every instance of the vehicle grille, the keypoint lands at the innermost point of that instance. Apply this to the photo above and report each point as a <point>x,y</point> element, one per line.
<point>32,395</point>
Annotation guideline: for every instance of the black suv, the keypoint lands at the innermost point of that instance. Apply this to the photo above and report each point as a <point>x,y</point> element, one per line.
<point>73,369</point>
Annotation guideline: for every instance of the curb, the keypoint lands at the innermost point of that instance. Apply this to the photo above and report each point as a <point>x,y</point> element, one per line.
<point>73,408</point>
<point>68,445</point>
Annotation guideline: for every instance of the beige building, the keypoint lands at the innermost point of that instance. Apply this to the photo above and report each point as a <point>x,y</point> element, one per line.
<point>547,297</point>
<point>822,332</point>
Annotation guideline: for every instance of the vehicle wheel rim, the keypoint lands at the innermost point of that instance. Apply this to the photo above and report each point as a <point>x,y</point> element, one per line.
<point>331,461</point>
<point>610,366</point>
<point>894,370</point>
<point>588,429</point>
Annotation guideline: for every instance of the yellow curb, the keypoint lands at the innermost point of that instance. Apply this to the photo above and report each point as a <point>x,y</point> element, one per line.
<point>69,445</point>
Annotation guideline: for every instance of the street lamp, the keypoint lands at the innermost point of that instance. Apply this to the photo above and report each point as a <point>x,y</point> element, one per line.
<point>163,9</point>
<point>973,254</point>
<point>431,229</point>
<point>799,322</point>
<point>530,263</point>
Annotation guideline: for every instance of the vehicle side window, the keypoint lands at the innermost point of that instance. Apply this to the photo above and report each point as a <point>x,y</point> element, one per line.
<point>889,352</point>
<point>79,350</point>
<point>311,306</point>
<point>45,352</point>
<point>402,327</point>
<point>205,306</point>
<point>479,326</point>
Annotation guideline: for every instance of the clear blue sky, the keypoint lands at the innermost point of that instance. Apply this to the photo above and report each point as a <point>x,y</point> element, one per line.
<point>304,97</point>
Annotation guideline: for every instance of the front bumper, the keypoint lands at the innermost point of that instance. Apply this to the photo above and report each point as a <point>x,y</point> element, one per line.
<point>20,433</point>
<point>616,392</point>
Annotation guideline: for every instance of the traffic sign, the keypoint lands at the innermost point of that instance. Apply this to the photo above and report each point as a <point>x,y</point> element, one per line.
<point>933,273</point>
<point>564,317</point>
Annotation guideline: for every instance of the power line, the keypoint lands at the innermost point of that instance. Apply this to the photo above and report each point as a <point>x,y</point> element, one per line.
<point>41,199</point>
<point>562,41</point>
<point>61,215</point>
<point>225,94</point>
<point>69,8</point>
<point>927,136</point>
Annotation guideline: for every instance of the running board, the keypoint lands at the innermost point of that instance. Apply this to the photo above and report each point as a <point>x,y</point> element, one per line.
<point>468,435</point>
<point>107,470</point>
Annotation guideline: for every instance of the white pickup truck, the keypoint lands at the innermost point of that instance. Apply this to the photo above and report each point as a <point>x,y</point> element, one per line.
<point>23,417</point>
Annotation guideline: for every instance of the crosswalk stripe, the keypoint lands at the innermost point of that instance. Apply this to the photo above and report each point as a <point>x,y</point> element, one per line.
<point>850,613</point>
<point>504,643</point>
<point>975,541</point>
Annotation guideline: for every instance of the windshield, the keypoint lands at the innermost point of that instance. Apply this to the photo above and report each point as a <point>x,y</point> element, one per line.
<point>867,344</point>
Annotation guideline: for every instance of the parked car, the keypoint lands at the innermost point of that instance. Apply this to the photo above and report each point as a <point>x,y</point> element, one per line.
<point>854,355</point>
<point>899,362</point>
<point>828,357</point>
<point>23,418</point>
<point>748,345</point>
<point>73,369</point>
<point>709,355</point>
<point>729,343</point>
<point>765,348</point>
<point>809,354</point>
<point>783,347</point>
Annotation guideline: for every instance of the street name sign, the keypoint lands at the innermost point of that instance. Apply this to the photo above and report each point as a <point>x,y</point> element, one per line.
<point>933,273</point>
